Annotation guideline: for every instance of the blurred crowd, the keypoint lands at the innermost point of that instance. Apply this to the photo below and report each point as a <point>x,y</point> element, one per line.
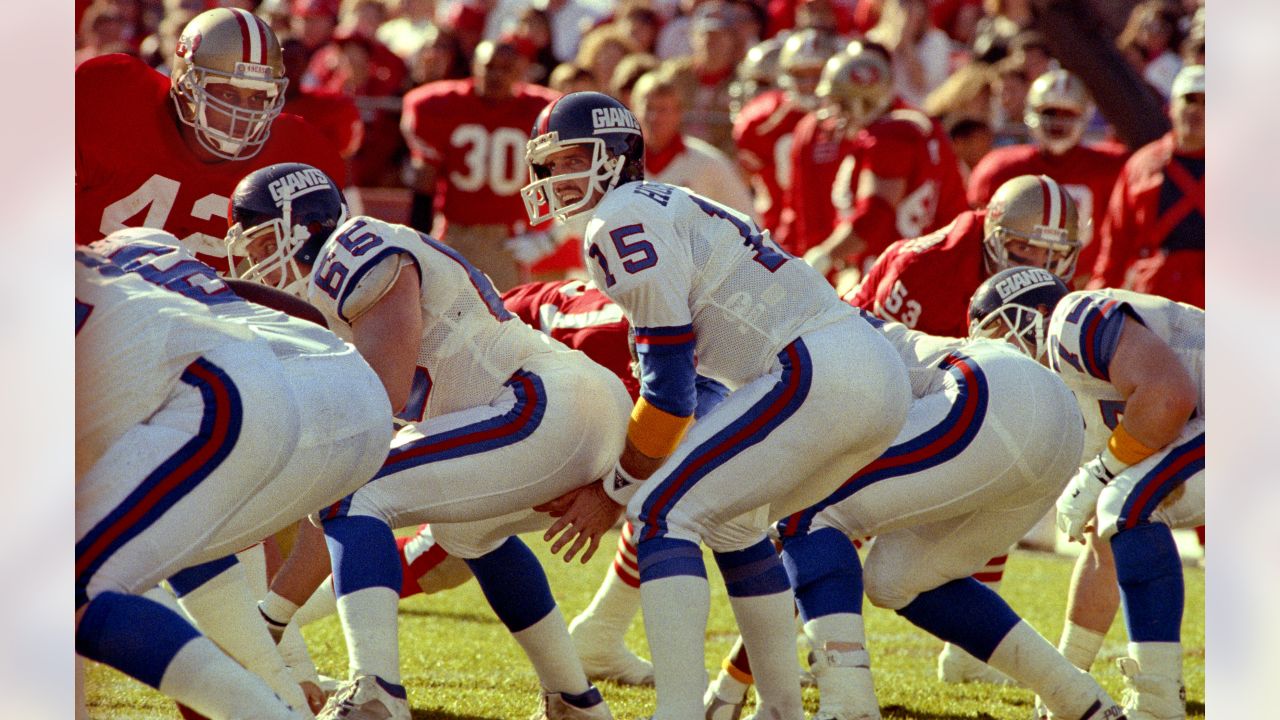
<point>709,78</point>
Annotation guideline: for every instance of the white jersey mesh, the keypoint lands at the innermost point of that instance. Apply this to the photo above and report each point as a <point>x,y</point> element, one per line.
<point>1180,326</point>
<point>675,258</point>
<point>470,344</point>
<point>921,353</point>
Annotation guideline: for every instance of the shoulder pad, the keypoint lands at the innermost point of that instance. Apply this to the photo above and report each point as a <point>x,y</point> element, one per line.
<point>915,118</point>
<point>372,285</point>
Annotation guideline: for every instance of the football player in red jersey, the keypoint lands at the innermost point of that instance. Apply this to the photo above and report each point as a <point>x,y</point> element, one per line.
<point>166,152</point>
<point>903,178</point>
<point>764,128</point>
<point>333,113</point>
<point>1058,107</point>
<point>925,283</point>
<point>467,138</point>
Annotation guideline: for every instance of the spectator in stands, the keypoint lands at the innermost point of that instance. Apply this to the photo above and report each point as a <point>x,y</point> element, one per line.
<point>406,32</point>
<point>314,22</point>
<point>674,157</point>
<point>921,52</point>
<point>159,47</point>
<point>1152,32</point>
<point>966,93</point>
<point>1030,51</point>
<point>466,19</point>
<point>568,77</point>
<point>972,139</point>
<point>601,50</point>
<point>640,23</point>
<point>1152,239</point>
<point>628,71</point>
<point>334,113</point>
<point>102,31</point>
<point>439,58</point>
<point>1011,85</point>
<point>717,49</point>
<point>957,18</point>
<point>363,17</point>
<point>1058,110</point>
<point>675,39</point>
<point>534,28</point>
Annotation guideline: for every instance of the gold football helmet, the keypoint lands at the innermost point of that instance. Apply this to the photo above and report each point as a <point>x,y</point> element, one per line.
<point>1031,220</point>
<point>804,53</point>
<point>228,81</point>
<point>1058,108</point>
<point>756,73</point>
<point>857,85</point>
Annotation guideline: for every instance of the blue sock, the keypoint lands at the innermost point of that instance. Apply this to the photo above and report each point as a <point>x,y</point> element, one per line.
<point>185,581</point>
<point>137,636</point>
<point>1150,575</point>
<point>514,584</point>
<point>753,571</point>
<point>363,553</point>
<point>963,612</point>
<point>661,557</point>
<point>825,572</point>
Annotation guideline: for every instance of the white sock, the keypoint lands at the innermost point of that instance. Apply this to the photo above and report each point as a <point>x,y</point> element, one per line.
<point>254,560</point>
<point>1028,658</point>
<point>293,648</point>
<point>1080,645</point>
<point>675,622</point>
<point>1158,658</point>
<point>322,603</point>
<point>223,609</point>
<point>844,687</point>
<point>609,615</point>
<point>768,630</point>
<point>277,609</point>
<point>369,623</point>
<point>547,644</point>
<point>201,677</point>
<point>729,688</point>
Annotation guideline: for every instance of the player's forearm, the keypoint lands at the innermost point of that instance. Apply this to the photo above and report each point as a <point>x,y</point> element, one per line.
<point>1156,412</point>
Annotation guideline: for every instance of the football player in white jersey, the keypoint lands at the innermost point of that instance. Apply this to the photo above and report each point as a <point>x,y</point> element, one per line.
<point>195,438</point>
<point>1136,365</point>
<point>500,418</point>
<point>989,442</point>
<point>692,277</point>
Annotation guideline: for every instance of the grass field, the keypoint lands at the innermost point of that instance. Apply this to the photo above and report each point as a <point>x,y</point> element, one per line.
<point>460,664</point>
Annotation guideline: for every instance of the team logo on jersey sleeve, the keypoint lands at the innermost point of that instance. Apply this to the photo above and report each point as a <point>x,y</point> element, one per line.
<point>613,119</point>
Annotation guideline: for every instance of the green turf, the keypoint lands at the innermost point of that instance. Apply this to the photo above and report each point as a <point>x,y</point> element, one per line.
<point>459,662</point>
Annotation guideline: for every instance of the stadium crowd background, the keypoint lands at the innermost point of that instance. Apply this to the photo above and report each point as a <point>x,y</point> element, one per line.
<point>968,64</point>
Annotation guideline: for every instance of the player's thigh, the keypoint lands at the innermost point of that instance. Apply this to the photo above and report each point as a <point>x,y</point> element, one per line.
<point>1001,434</point>
<point>345,430</point>
<point>561,429</point>
<point>1167,487</point>
<point>155,499</point>
<point>762,445</point>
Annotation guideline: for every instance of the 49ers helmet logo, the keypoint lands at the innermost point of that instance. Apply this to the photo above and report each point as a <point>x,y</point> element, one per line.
<point>864,75</point>
<point>188,44</point>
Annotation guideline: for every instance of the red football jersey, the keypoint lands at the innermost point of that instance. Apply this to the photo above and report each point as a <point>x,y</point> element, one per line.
<point>477,146</point>
<point>1087,173</point>
<point>133,167</point>
<point>581,317</point>
<point>906,144</point>
<point>925,283</point>
<point>817,150</point>
<point>334,114</point>
<point>764,131</point>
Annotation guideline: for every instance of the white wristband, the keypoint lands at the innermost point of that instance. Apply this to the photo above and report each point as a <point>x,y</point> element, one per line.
<point>620,485</point>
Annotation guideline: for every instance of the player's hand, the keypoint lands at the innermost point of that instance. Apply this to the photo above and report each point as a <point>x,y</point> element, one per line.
<point>530,247</point>
<point>316,697</point>
<point>1079,500</point>
<point>588,516</point>
<point>556,508</point>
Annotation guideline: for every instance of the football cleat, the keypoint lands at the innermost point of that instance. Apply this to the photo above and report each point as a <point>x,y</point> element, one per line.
<point>364,698</point>
<point>719,708</point>
<point>845,689</point>
<point>552,706</point>
<point>1151,697</point>
<point>607,658</point>
<point>957,666</point>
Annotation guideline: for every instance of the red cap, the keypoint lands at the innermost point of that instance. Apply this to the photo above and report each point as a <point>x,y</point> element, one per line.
<point>306,8</point>
<point>466,17</point>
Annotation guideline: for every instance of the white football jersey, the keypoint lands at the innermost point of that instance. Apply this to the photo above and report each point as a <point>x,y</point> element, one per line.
<point>1083,333</point>
<point>675,260</point>
<point>177,269</point>
<point>133,342</point>
<point>470,343</point>
<point>921,353</point>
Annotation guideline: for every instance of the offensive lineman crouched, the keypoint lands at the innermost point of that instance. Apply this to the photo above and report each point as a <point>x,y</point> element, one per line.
<point>691,275</point>
<point>1136,365</point>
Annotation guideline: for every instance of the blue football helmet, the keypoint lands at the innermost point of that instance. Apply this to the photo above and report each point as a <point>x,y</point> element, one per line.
<point>299,205</point>
<point>593,119</point>
<point>1015,305</point>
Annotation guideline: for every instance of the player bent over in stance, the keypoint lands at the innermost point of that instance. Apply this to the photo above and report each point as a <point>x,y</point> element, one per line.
<point>1136,365</point>
<point>694,276</point>
<point>193,429</point>
<point>989,442</point>
<point>501,418</point>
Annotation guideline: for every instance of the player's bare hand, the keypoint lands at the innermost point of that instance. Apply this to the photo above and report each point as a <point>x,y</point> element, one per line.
<point>588,516</point>
<point>556,508</point>
<point>316,697</point>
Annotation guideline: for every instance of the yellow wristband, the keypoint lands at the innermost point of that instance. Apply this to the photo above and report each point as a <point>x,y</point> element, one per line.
<point>1126,448</point>
<point>655,432</point>
<point>736,673</point>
